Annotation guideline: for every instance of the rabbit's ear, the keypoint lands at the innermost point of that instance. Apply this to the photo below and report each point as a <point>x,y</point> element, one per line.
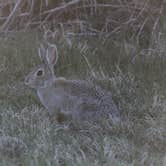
<point>42,53</point>
<point>52,55</point>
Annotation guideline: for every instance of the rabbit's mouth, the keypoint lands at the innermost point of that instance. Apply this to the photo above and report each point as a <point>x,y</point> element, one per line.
<point>26,81</point>
<point>35,83</point>
<point>29,83</point>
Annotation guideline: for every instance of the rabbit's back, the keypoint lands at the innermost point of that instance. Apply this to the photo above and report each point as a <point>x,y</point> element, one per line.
<point>81,88</point>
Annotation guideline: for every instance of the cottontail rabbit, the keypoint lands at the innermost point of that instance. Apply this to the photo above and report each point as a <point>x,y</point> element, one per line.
<point>77,98</point>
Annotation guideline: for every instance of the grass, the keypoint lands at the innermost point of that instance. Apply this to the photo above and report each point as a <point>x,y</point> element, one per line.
<point>27,135</point>
<point>125,56</point>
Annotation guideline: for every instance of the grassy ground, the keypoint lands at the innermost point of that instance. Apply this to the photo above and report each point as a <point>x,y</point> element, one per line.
<point>136,78</point>
<point>120,45</point>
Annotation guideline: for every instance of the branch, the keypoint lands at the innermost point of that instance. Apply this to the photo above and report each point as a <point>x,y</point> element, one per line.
<point>12,15</point>
<point>61,7</point>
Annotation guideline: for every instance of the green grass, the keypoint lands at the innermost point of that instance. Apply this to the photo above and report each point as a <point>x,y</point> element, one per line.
<point>136,78</point>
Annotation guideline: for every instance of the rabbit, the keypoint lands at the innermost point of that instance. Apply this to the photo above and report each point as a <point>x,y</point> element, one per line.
<point>79,99</point>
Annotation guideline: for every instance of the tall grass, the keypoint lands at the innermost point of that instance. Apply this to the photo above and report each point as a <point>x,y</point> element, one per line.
<point>137,88</point>
<point>119,45</point>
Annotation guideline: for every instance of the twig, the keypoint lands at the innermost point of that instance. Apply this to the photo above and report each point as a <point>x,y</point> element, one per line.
<point>61,7</point>
<point>11,17</point>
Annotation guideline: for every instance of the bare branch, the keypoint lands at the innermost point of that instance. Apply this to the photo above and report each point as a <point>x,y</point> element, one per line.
<point>12,15</point>
<point>61,7</point>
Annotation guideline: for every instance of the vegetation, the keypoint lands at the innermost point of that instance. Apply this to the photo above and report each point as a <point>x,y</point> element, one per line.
<point>118,44</point>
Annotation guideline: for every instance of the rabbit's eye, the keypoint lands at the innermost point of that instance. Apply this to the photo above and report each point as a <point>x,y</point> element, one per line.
<point>39,73</point>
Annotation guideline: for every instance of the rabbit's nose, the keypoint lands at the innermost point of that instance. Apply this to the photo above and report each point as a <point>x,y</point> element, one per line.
<point>26,81</point>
